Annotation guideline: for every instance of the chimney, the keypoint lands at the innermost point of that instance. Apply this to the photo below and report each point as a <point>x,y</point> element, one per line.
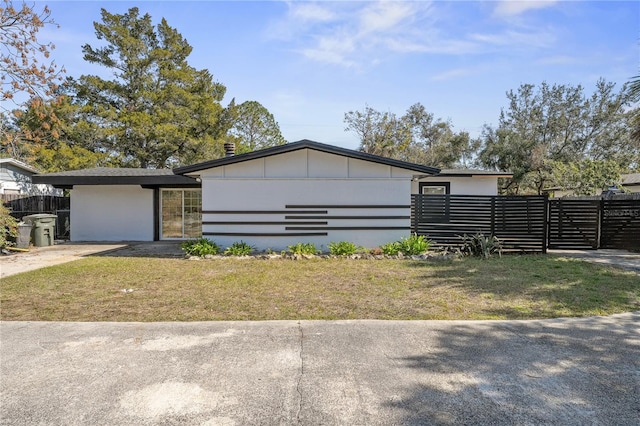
<point>229,149</point>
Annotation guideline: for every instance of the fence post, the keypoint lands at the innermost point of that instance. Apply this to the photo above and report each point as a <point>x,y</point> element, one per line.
<point>493,216</point>
<point>545,233</point>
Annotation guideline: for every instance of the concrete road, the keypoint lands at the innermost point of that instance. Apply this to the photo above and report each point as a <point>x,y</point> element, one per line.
<point>564,372</point>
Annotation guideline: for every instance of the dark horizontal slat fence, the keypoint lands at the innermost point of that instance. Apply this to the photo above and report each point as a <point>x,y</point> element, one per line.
<point>574,223</point>
<point>36,203</point>
<point>520,222</point>
<point>620,225</point>
<point>21,206</point>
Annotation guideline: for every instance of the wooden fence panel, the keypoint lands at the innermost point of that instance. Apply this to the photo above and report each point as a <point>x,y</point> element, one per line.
<point>519,222</point>
<point>620,224</point>
<point>574,223</point>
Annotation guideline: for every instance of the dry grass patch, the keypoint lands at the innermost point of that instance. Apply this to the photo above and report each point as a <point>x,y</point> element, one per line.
<point>512,287</point>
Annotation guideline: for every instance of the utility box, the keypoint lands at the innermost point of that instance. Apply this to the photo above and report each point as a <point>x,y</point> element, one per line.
<point>43,232</point>
<point>24,235</point>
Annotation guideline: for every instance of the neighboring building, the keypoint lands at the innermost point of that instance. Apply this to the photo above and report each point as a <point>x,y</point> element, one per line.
<point>16,179</point>
<point>299,192</point>
<point>631,182</point>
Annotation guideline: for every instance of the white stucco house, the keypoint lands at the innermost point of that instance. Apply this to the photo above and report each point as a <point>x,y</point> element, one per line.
<point>16,179</point>
<point>299,192</point>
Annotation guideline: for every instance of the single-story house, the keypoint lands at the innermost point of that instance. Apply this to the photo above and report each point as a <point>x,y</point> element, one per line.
<point>16,179</point>
<point>298,192</point>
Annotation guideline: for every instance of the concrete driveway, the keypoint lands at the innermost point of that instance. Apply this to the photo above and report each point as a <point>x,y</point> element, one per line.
<point>40,257</point>
<point>558,372</point>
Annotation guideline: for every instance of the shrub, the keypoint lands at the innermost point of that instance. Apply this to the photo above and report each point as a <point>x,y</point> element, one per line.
<point>239,248</point>
<point>342,248</point>
<point>200,247</point>
<point>413,245</point>
<point>303,248</point>
<point>390,249</point>
<point>480,245</point>
<point>8,226</point>
<point>409,246</point>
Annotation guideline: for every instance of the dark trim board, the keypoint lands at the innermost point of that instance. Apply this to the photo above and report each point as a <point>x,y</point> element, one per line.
<point>355,206</point>
<point>346,228</point>
<point>264,212</point>
<point>262,223</point>
<point>156,214</point>
<point>348,217</point>
<point>265,234</point>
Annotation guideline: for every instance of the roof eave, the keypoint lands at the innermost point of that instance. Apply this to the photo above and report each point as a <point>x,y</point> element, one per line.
<point>152,181</point>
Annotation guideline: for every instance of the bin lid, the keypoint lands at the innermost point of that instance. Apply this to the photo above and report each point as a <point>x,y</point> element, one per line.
<point>40,217</point>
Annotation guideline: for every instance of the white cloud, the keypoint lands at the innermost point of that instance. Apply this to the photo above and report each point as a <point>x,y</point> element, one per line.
<point>510,8</point>
<point>516,38</point>
<point>311,12</point>
<point>363,34</point>
<point>385,16</point>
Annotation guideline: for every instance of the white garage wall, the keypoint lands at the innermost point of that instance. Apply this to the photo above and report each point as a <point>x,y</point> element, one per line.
<point>111,213</point>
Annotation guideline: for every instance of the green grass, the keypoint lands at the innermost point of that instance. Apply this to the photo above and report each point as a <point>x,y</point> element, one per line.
<point>511,287</point>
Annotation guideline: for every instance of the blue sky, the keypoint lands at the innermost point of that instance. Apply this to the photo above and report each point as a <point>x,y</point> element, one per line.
<point>310,62</point>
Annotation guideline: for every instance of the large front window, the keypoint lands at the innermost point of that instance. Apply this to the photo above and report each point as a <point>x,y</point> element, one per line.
<point>181,211</point>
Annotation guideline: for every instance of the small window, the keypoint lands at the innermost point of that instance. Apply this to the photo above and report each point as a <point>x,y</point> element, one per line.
<point>435,188</point>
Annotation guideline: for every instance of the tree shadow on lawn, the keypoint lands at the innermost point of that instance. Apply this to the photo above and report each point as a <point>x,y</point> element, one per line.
<point>579,371</point>
<point>545,286</point>
<point>154,249</point>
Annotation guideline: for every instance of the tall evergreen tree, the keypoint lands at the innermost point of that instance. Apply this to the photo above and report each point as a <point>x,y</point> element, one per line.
<point>254,127</point>
<point>157,111</point>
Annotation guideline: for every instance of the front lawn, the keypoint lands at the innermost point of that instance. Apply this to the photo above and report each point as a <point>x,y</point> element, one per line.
<point>151,289</point>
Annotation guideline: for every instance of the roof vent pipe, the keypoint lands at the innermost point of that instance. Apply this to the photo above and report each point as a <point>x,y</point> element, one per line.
<point>229,149</point>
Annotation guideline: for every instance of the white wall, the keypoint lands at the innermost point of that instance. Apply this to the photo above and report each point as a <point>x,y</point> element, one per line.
<point>306,163</point>
<point>111,213</point>
<point>249,196</point>
<point>476,185</point>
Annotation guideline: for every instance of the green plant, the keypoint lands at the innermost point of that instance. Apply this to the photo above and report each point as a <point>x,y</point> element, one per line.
<point>390,249</point>
<point>413,245</point>
<point>200,247</point>
<point>303,248</point>
<point>479,245</point>
<point>239,248</point>
<point>408,246</point>
<point>342,248</point>
<point>8,227</point>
